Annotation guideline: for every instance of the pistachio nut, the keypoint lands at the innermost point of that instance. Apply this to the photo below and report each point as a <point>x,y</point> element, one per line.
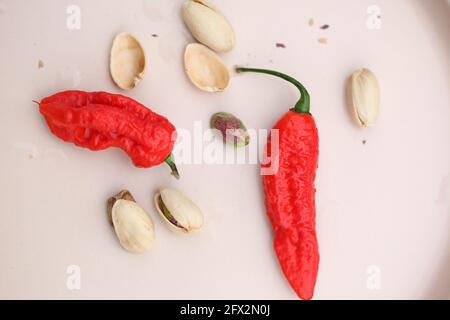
<point>364,97</point>
<point>232,129</point>
<point>180,213</point>
<point>208,25</point>
<point>132,224</point>
<point>127,61</point>
<point>205,69</point>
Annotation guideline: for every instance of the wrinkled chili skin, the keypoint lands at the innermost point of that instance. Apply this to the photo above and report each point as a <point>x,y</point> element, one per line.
<point>99,120</point>
<point>290,200</point>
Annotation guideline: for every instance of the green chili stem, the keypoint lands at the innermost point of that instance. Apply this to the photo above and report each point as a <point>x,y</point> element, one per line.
<point>173,167</point>
<point>302,105</point>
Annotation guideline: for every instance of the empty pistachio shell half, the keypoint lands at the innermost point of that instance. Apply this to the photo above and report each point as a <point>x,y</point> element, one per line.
<point>231,128</point>
<point>127,61</point>
<point>364,97</point>
<point>208,25</point>
<point>181,214</point>
<point>132,224</point>
<point>205,69</point>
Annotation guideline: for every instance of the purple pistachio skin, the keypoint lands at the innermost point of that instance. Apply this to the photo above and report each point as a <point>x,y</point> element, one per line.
<point>232,129</point>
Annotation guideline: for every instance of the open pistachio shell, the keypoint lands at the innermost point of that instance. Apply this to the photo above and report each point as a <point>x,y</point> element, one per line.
<point>180,213</point>
<point>127,61</point>
<point>205,69</point>
<point>208,25</point>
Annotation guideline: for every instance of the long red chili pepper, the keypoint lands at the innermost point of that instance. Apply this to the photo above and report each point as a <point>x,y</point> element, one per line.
<point>290,192</point>
<point>99,120</point>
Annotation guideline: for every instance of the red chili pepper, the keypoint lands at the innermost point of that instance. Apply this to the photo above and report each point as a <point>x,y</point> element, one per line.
<point>290,191</point>
<point>99,120</point>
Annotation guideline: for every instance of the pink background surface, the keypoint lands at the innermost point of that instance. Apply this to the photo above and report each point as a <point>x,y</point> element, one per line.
<point>385,203</point>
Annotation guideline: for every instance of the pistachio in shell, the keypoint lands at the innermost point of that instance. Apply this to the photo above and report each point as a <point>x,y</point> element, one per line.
<point>127,61</point>
<point>131,223</point>
<point>205,68</point>
<point>363,93</point>
<point>122,195</point>
<point>178,211</point>
<point>208,25</point>
<point>232,129</point>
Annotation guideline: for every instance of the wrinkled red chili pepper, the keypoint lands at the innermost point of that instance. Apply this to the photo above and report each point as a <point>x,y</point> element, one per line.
<point>290,192</point>
<point>99,120</point>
